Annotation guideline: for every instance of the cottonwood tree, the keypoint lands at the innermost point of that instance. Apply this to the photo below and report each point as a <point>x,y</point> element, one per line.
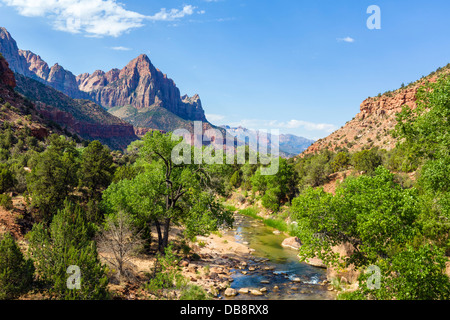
<point>166,193</point>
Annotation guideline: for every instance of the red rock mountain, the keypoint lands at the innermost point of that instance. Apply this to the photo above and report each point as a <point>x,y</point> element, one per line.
<point>139,93</point>
<point>377,118</point>
<point>140,85</point>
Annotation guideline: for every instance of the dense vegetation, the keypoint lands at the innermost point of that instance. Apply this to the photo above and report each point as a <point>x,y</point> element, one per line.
<point>79,197</point>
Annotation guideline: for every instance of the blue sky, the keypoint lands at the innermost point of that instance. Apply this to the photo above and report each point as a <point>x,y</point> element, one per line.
<point>302,67</point>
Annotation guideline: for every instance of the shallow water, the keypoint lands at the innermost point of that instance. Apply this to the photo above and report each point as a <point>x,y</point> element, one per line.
<point>284,264</point>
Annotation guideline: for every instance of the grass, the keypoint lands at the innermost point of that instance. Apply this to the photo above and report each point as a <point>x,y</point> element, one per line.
<point>276,223</point>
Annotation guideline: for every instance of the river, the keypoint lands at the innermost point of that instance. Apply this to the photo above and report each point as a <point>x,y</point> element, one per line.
<point>283,263</point>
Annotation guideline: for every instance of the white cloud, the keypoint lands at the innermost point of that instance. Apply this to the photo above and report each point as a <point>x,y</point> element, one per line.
<point>257,124</point>
<point>121,48</point>
<point>214,117</point>
<point>173,14</point>
<point>95,18</point>
<point>346,39</point>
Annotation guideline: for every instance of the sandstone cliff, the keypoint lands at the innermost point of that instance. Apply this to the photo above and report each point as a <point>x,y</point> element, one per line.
<point>373,125</point>
<point>140,85</point>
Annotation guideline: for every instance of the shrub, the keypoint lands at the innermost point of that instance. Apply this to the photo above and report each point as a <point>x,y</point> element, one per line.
<point>16,272</point>
<point>67,242</point>
<point>6,202</point>
<point>194,293</point>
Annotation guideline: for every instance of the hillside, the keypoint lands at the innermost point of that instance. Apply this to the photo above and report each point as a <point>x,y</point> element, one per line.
<point>83,117</point>
<point>377,118</point>
<point>18,112</point>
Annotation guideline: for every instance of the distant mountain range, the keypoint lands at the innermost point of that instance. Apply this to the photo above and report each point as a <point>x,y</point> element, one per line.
<point>288,145</point>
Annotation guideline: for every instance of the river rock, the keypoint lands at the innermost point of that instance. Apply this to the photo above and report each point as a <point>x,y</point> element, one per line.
<point>263,290</point>
<point>265,282</point>
<point>244,290</point>
<point>256,292</point>
<point>293,243</point>
<point>230,292</point>
<point>297,280</point>
<point>276,232</point>
<point>315,262</point>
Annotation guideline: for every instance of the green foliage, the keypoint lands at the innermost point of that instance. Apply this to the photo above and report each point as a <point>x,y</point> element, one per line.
<point>366,160</point>
<point>167,273</point>
<point>67,242</point>
<point>276,189</point>
<point>194,293</point>
<point>413,274</point>
<point>96,170</point>
<point>235,180</point>
<point>167,192</point>
<point>16,272</point>
<point>340,161</point>
<point>6,179</point>
<point>372,213</point>
<point>313,170</point>
<point>6,202</point>
<point>54,176</point>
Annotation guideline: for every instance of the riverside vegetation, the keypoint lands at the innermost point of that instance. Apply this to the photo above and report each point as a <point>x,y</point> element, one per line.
<point>79,197</point>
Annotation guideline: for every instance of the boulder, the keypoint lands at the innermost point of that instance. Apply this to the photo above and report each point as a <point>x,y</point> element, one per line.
<point>316,262</point>
<point>230,292</point>
<point>256,292</point>
<point>293,243</point>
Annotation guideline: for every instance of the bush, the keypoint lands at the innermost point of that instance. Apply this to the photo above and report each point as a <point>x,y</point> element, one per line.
<point>67,242</point>
<point>366,160</point>
<point>16,273</point>
<point>6,202</point>
<point>194,293</point>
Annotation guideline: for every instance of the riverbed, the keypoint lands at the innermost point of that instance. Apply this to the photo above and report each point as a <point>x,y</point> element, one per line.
<point>273,270</point>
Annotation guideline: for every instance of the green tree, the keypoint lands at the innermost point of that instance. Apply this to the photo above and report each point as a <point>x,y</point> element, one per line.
<point>340,161</point>
<point>374,214</point>
<point>16,272</point>
<point>276,189</point>
<point>6,179</point>
<point>67,242</point>
<point>96,170</point>
<point>53,176</point>
<point>167,192</point>
<point>366,160</point>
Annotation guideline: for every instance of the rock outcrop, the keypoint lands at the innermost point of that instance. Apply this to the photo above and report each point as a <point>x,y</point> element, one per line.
<point>6,75</point>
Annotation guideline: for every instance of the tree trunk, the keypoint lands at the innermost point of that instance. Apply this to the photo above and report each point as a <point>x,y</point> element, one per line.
<point>160,237</point>
<point>166,233</point>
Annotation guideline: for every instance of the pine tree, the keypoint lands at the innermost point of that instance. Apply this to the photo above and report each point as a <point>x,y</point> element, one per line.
<point>16,272</point>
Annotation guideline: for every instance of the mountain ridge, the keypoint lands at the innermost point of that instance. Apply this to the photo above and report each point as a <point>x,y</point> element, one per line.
<point>373,125</point>
<point>139,85</point>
